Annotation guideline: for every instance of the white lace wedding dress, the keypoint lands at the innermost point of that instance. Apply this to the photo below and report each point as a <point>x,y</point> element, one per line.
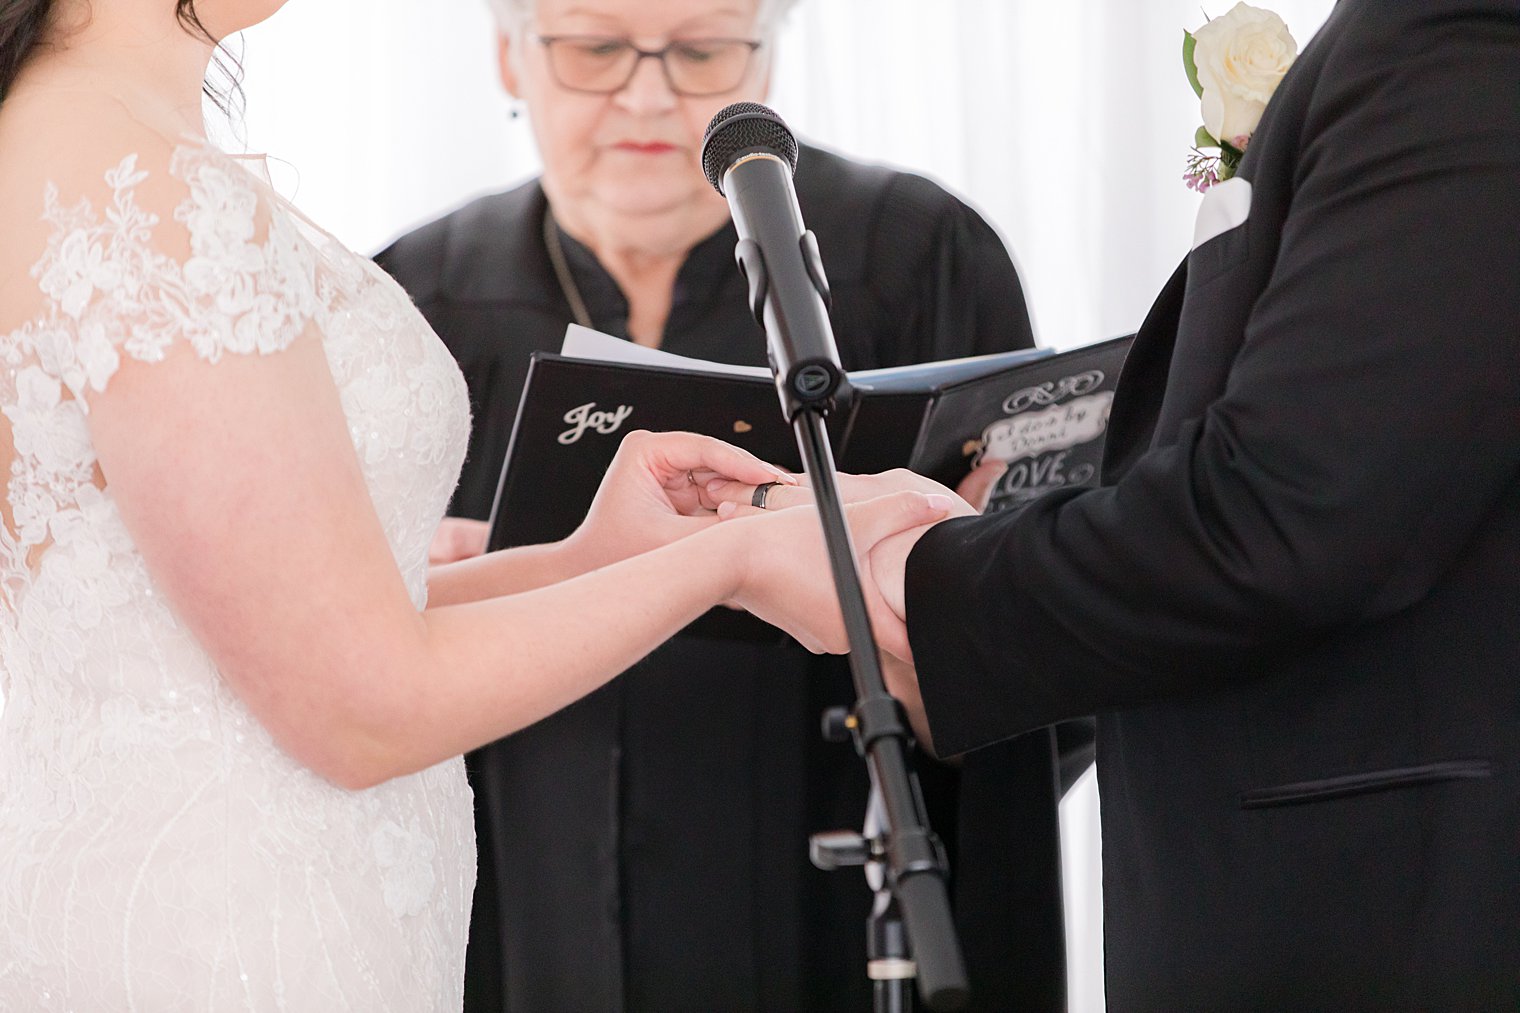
<point>157,850</point>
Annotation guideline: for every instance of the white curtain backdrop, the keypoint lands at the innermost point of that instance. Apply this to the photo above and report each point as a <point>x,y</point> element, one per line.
<point>1065,121</point>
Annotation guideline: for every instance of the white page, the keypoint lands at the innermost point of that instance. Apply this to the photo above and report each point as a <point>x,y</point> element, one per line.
<point>584,343</point>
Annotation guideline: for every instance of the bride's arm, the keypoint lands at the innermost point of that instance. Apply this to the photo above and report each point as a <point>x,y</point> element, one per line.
<point>242,490</point>
<point>497,573</point>
<point>240,486</point>
<point>655,493</point>
<point>187,321</point>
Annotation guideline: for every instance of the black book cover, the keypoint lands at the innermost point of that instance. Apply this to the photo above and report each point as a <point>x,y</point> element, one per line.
<point>1046,419</point>
<point>1044,413</point>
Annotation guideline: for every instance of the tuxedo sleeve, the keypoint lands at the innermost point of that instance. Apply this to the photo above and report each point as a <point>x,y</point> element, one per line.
<point>1370,419</point>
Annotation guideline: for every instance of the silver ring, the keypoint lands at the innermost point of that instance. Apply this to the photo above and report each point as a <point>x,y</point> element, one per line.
<point>761,492</point>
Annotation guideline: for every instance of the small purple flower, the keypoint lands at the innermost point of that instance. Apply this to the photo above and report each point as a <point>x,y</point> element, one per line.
<point>1203,171</point>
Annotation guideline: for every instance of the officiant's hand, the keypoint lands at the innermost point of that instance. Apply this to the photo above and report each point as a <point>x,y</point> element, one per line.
<point>785,576</point>
<point>976,488</point>
<point>655,492</point>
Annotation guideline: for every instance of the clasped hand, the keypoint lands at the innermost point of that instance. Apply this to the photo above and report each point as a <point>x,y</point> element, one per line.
<point>667,486</point>
<point>653,493</point>
<point>884,562</point>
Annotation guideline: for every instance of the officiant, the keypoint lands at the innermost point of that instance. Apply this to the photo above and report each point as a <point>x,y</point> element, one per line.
<point>645,849</point>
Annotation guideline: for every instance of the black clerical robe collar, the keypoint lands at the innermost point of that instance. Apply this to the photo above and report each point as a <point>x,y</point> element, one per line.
<point>704,277</point>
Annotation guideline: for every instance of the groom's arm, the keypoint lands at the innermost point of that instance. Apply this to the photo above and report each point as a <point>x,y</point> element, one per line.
<point>1368,423</point>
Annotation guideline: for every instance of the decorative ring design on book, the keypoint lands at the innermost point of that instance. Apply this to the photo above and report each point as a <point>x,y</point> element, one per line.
<point>1053,393</point>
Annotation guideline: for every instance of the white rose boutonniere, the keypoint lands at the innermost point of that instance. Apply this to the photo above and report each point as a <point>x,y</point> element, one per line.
<point>1234,63</point>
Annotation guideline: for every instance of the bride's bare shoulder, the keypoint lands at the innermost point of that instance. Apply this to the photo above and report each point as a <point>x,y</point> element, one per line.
<point>70,137</point>
<point>71,152</point>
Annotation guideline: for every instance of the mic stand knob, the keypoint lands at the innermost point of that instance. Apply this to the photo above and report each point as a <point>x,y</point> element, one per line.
<point>832,850</point>
<point>838,725</point>
<point>889,963</point>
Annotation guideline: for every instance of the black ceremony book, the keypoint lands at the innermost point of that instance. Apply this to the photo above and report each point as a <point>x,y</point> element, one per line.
<point>1044,413</point>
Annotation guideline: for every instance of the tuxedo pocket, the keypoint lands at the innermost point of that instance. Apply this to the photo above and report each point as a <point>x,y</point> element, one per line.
<point>1225,206</point>
<point>1219,233</point>
<point>1328,788</point>
<point>1219,254</point>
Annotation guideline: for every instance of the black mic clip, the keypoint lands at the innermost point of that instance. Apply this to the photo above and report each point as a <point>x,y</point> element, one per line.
<point>816,385</point>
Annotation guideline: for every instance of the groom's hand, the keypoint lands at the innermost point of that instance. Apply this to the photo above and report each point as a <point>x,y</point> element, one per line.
<point>785,580</point>
<point>901,680</point>
<point>887,560</point>
<point>852,489</point>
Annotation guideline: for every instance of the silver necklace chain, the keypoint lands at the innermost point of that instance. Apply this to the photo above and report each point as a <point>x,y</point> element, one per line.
<point>562,273</point>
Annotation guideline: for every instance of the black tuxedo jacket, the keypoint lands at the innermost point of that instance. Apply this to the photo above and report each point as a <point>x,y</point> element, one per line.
<point>1295,604</point>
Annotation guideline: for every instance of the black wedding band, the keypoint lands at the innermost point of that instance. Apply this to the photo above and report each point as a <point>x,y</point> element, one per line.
<point>761,492</point>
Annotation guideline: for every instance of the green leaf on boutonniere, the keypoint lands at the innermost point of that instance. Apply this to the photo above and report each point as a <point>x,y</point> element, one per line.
<point>1204,139</point>
<point>1188,44</point>
<point>1229,161</point>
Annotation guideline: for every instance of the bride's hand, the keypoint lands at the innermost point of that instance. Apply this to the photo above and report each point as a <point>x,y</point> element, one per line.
<point>655,492</point>
<point>785,577</point>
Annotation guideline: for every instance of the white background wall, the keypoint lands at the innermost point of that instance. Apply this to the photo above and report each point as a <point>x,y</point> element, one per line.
<point>1065,121</point>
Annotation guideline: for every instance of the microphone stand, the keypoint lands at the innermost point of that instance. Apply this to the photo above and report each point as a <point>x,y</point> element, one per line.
<point>912,906</point>
<point>889,963</point>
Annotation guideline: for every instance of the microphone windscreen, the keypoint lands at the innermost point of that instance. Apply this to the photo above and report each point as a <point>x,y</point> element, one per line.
<point>744,128</point>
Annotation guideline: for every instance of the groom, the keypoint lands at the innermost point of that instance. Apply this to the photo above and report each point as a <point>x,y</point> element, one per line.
<point>1296,602</point>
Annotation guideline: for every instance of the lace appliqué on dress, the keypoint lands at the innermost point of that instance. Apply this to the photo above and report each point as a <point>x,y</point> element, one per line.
<point>157,850</point>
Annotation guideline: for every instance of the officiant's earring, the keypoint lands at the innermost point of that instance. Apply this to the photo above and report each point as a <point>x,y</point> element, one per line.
<point>516,111</point>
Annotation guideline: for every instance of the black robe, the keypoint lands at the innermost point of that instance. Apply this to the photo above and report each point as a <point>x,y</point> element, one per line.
<point>646,848</point>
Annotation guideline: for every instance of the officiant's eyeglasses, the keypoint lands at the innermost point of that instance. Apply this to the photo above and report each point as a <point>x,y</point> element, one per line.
<point>603,64</point>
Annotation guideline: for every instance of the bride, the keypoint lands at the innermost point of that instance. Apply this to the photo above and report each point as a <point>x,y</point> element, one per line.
<point>235,695</point>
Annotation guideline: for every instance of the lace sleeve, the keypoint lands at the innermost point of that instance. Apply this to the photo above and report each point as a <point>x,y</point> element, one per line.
<point>133,262</point>
<point>230,273</point>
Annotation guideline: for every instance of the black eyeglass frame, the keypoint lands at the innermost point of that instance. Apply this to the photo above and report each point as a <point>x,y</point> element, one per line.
<point>640,55</point>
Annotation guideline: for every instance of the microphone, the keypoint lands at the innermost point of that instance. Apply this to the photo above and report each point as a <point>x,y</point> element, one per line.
<point>749,155</point>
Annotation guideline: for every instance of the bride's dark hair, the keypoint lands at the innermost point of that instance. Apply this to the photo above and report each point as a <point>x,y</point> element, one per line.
<point>23,23</point>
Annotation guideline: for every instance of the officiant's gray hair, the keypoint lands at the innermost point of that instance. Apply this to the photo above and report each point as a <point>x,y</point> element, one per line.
<point>512,13</point>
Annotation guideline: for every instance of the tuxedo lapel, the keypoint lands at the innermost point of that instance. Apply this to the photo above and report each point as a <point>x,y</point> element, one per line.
<point>1155,393</point>
<point>1132,420</point>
